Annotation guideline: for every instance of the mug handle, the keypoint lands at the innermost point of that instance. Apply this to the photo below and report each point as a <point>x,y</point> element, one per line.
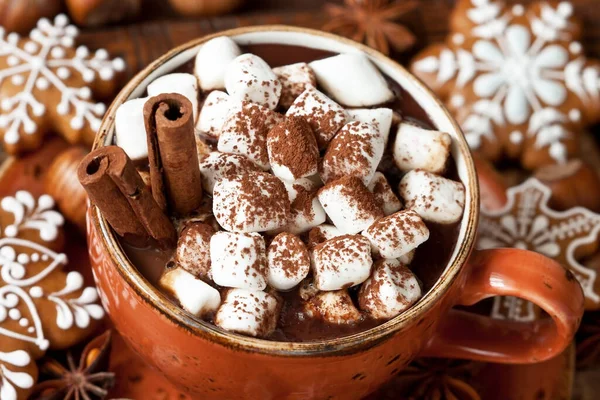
<point>519,273</point>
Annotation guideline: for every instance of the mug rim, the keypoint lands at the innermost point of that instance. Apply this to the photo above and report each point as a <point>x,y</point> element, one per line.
<point>346,344</point>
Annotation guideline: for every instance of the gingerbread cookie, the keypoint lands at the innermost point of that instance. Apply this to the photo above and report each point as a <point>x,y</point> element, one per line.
<point>516,79</point>
<point>526,222</point>
<point>46,84</point>
<point>43,305</point>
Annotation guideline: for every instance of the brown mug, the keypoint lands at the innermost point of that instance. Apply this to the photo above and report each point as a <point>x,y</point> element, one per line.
<point>210,363</point>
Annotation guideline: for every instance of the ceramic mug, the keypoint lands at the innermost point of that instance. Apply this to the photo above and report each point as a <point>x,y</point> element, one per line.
<point>210,363</point>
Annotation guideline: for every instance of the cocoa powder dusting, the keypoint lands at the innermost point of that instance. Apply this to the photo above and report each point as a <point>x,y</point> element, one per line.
<point>292,144</point>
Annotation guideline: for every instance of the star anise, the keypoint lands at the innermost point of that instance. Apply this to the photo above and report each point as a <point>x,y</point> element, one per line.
<point>433,379</point>
<point>373,22</point>
<point>89,380</point>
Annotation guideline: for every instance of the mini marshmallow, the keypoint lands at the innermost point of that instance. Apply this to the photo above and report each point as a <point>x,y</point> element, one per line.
<point>288,262</point>
<point>193,249</point>
<point>249,78</point>
<point>292,148</point>
<point>252,202</point>
<point>181,83</point>
<point>418,148</point>
<point>380,117</point>
<point>397,234</point>
<point>356,150</point>
<point>194,295</point>
<point>391,289</point>
<point>202,147</point>
<point>216,165</point>
<point>384,196</point>
<point>130,129</point>
<point>352,80</point>
<point>306,210</point>
<point>211,61</point>
<point>251,313</point>
<point>324,115</point>
<point>294,78</point>
<point>239,260</point>
<point>333,307</point>
<point>342,262</point>
<point>407,258</point>
<point>349,205</point>
<point>322,233</point>
<point>245,132</point>
<point>434,198</point>
<point>216,108</point>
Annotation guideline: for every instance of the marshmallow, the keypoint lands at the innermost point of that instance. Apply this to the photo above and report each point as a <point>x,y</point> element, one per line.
<point>349,205</point>
<point>397,234</point>
<point>216,108</point>
<point>251,313</point>
<point>216,165</point>
<point>391,289</point>
<point>193,249</point>
<point>342,262</point>
<point>249,78</point>
<point>418,148</point>
<point>253,202</point>
<point>294,78</point>
<point>238,260</point>
<point>380,117</point>
<point>434,198</point>
<point>288,262</point>
<point>356,150</point>
<point>306,210</point>
<point>194,295</point>
<point>333,307</point>
<point>130,129</point>
<point>181,83</point>
<point>322,233</point>
<point>352,80</point>
<point>407,258</point>
<point>202,148</point>
<point>292,148</point>
<point>245,132</point>
<point>211,61</point>
<point>384,196</point>
<point>324,115</point>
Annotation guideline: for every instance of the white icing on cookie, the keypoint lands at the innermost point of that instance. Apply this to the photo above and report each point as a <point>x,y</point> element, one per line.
<point>520,75</point>
<point>42,63</point>
<point>29,215</point>
<point>10,379</point>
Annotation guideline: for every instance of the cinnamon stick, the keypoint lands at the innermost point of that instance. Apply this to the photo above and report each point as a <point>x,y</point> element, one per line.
<point>116,188</point>
<point>172,153</point>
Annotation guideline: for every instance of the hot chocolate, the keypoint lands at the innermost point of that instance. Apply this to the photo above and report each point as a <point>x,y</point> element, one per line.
<point>330,204</point>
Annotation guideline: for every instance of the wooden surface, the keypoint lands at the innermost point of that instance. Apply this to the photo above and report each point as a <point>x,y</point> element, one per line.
<point>142,42</point>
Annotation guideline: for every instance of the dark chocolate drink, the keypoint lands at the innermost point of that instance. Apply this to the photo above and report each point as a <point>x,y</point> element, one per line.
<point>299,317</point>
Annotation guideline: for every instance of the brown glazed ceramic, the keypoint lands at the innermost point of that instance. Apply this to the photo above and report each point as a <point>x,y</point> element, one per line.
<point>210,363</point>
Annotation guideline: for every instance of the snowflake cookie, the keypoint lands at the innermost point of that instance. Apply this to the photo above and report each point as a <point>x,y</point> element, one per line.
<point>43,304</point>
<point>46,84</point>
<point>526,222</point>
<point>516,79</point>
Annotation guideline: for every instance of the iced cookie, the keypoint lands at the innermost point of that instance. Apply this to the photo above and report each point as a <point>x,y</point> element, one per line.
<point>48,84</point>
<point>43,304</point>
<point>516,78</point>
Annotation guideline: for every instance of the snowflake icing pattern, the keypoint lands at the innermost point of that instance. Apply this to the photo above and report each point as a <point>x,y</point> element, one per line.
<point>526,222</point>
<point>46,62</point>
<point>518,71</point>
